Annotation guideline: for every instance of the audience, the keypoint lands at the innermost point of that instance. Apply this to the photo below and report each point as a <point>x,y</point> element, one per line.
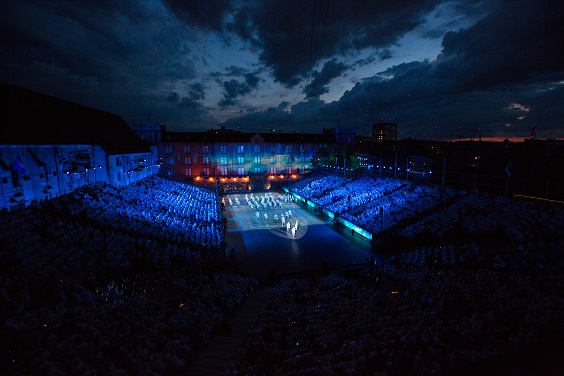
<point>427,311</point>
<point>110,280</point>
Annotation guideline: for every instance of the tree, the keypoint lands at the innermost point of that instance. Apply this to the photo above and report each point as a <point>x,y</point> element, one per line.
<point>325,156</point>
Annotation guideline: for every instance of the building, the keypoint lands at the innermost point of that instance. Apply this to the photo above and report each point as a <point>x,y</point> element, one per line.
<point>151,134</point>
<point>233,159</point>
<point>384,132</point>
<point>345,138</point>
<point>49,147</point>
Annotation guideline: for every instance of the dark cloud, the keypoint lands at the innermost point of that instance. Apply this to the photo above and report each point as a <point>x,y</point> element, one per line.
<point>448,16</point>
<point>184,112</point>
<point>206,14</point>
<point>293,36</point>
<point>231,71</point>
<point>301,117</point>
<point>173,97</point>
<point>330,70</point>
<point>111,44</point>
<point>521,40</point>
<point>196,91</point>
<point>233,89</point>
<point>121,57</point>
<point>385,54</point>
<point>132,58</point>
<point>252,80</point>
<point>511,56</point>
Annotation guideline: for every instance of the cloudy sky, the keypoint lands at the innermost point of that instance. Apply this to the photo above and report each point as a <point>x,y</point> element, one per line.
<point>437,68</point>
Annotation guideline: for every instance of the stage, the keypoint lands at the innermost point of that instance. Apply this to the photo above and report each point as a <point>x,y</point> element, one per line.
<point>263,245</point>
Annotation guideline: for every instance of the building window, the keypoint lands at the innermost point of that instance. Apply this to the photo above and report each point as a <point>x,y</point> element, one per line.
<point>187,149</point>
<point>118,162</point>
<point>206,171</point>
<point>170,160</point>
<point>240,160</point>
<point>240,149</point>
<point>302,148</point>
<point>273,170</point>
<point>257,160</point>
<point>257,149</point>
<point>288,148</point>
<point>288,159</point>
<point>168,149</point>
<point>223,160</point>
<point>273,160</point>
<point>273,149</point>
<point>188,171</point>
<point>223,171</point>
<point>205,149</point>
<point>223,149</point>
<point>240,171</point>
<point>257,170</point>
<point>206,160</point>
<point>187,160</point>
<point>289,170</point>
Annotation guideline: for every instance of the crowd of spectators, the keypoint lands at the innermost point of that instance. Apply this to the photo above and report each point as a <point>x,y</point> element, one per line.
<point>522,220</point>
<point>375,204</point>
<point>319,187</point>
<point>155,207</point>
<point>111,280</point>
<point>106,281</point>
<point>432,310</point>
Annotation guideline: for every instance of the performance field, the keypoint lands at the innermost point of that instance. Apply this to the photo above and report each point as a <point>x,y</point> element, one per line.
<point>272,235</point>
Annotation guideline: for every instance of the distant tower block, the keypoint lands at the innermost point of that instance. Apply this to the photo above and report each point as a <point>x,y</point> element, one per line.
<point>384,131</point>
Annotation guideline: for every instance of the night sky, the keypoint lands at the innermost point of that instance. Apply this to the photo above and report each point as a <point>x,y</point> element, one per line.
<point>437,68</point>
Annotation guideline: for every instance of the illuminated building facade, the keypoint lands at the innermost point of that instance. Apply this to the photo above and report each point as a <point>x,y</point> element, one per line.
<point>50,147</point>
<point>226,156</point>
